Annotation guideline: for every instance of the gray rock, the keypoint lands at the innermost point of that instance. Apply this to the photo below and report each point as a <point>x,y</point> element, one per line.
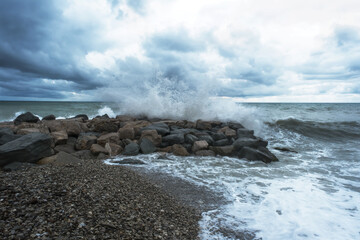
<point>85,142</point>
<point>206,137</point>
<point>147,146</point>
<point>218,136</point>
<point>234,125</point>
<point>249,142</point>
<point>84,154</point>
<point>174,139</point>
<point>190,139</point>
<point>131,149</point>
<point>7,135</point>
<point>161,128</point>
<point>83,116</point>
<point>49,117</point>
<point>69,147</point>
<point>222,142</point>
<point>28,148</point>
<point>260,154</point>
<point>15,166</point>
<point>63,158</point>
<point>243,132</point>
<point>26,117</point>
<point>96,134</point>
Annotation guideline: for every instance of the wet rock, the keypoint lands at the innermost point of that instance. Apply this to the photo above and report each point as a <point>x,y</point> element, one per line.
<point>206,137</point>
<point>109,138</point>
<point>260,154</point>
<point>199,145</point>
<point>126,133</point>
<point>203,125</point>
<point>152,135</point>
<point>85,142</point>
<point>243,132</point>
<point>285,149</point>
<point>147,146</point>
<point>174,139</point>
<point>26,117</point>
<point>223,150</point>
<point>73,128</point>
<point>218,136</point>
<point>59,137</point>
<point>190,138</point>
<point>105,126</point>
<point>228,132</point>
<point>179,150</point>
<point>7,135</point>
<point>131,149</point>
<point>222,142</point>
<point>83,116</point>
<point>204,153</point>
<point>49,117</point>
<point>160,127</point>
<point>249,142</point>
<point>235,125</point>
<point>113,149</point>
<point>28,148</point>
<point>125,118</point>
<point>129,161</point>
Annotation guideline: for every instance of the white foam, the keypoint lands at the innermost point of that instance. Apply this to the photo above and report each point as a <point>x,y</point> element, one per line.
<point>106,110</point>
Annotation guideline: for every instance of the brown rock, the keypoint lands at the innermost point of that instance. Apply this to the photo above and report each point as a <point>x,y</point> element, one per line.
<point>185,124</point>
<point>223,151</point>
<point>109,138</point>
<point>203,125</point>
<point>96,149</point>
<point>47,160</point>
<point>227,131</point>
<point>59,137</point>
<point>205,153</point>
<point>105,125</point>
<point>53,125</point>
<point>179,150</point>
<point>137,125</point>
<point>152,135</point>
<point>30,128</point>
<point>199,145</point>
<point>62,158</point>
<point>126,133</point>
<point>73,127</point>
<point>125,118</point>
<point>85,142</point>
<point>165,149</point>
<point>25,131</point>
<point>113,149</point>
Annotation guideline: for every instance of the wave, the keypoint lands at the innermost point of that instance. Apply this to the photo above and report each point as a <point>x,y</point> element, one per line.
<point>331,131</point>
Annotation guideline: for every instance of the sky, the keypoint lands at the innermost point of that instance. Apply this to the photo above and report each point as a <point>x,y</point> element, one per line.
<point>245,50</point>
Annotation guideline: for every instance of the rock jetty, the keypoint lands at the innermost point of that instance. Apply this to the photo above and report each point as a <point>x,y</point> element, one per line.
<point>29,139</point>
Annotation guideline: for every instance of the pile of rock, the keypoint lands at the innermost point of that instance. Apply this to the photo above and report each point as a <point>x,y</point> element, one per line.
<point>29,139</point>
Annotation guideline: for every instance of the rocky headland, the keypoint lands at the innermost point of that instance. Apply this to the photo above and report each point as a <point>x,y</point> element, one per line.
<point>53,185</point>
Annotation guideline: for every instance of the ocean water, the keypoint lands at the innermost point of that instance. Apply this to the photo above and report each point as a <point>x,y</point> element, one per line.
<point>312,193</point>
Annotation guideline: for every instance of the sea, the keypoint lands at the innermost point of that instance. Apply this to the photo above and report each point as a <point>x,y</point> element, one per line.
<point>313,192</point>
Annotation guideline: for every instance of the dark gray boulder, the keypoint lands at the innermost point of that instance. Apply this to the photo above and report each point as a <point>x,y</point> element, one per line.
<point>147,146</point>
<point>161,128</point>
<point>249,142</point>
<point>206,137</point>
<point>190,139</point>
<point>260,154</point>
<point>83,154</point>
<point>243,132</point>
<point>26,117</point>
<point>131,149</point>
<point>49,117</point>
<point>28,148</point>
<point>83,116</point>
<point>174,139</point>
<point>218,136</point>
<point>222,142</point>
<point>7,135</point>
<point>235,125</point>
<point>129,161</point>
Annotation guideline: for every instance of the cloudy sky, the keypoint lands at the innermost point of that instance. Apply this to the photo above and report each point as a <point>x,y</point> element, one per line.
<point>248,50</point>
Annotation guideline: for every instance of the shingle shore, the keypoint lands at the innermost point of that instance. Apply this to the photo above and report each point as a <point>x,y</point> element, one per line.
<point>89,200</point>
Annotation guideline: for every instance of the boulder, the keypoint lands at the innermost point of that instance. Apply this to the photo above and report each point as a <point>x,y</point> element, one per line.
<point>96,149</point>
<point>223,150</point>
<point>174,139</point>
<point>7,135</point>
<point>113,149</point>
<point>249,142</point>
<point>199,145</point>
<point>60,159</point>
<point>218,136</point>
<point>69,147</point>
<point>203,125</point>
<point>160,127</point>
<point>129,161</point>
<point>73,128</point>
<point>59,137</point>
<point>185,124</point>
<point>243,132</point>
<point>83,116</point>
<point>125,118</point>
<point>261,154</point>
<point>83,154</point>
<point>131,149</point>
<point>228,132</point>
<point>235,125</point>
<point>85,142</point>
<point>179,150</point>
<point>49,117</point>
<point>96,134</point>
<point>152,135</point>
<point>190,139</point>
<point>24,131</point>
<point>26,117</point>
<point>105,125</point>
<point>26,128</point>
<point>147,146</point>
<point>126,133</point>
<point>54,126</point>
<point>28,148</point>
<point>136,125</point>
<point>109,138</point>
<point>206,137</point>
<point>222,142</point>
<point>205,153</point>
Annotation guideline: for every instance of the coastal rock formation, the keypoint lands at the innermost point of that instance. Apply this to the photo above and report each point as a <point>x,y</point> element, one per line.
<point>103,137</point>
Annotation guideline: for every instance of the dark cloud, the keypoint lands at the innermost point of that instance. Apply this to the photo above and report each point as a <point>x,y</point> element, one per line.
<point>39,43</point>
